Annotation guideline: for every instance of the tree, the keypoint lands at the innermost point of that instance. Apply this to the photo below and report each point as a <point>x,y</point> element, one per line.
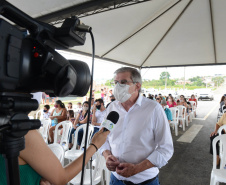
<point>218,80</point>
<point>164,74</point>
<point>197,81</point>
<point>108,82</point>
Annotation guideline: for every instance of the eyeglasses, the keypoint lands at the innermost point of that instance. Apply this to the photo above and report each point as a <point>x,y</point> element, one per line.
<point>122,83</point>
<point>157,98</point>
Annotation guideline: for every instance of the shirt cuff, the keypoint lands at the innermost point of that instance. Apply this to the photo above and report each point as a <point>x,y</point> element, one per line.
<point>104,147</point>
<point>157,159</point>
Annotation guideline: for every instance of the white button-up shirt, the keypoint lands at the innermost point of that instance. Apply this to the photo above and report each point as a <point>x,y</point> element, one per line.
<point>141,133</point>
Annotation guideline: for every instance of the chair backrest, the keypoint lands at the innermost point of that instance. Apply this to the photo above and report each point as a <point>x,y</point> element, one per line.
<point>90,132</point>
<point>223,127</point>
<point>41,115</point>
<point>193,105</point>
<point>175,113</point>
<point>222,139</point>
<point>182,111</point>
<point>58,150</point>
<point>67,126</point>
<point>98,169</point>
<point>46,123</point>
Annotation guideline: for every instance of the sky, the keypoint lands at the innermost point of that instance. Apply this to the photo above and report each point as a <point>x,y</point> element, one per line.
<point>104,70</point>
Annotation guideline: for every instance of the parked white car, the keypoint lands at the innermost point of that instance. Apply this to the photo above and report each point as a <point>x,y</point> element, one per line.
<point>204,94</point>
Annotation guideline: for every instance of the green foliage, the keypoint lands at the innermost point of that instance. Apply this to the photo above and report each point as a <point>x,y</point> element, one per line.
<point>218,80</point>
<point>197,81</point>
<point>108,82</point>
<point>164,74</point>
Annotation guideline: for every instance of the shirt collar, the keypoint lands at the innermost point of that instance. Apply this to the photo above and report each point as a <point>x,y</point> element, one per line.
<point>138,102</point>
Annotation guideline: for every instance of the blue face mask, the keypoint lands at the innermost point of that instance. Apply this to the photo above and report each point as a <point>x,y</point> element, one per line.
<point>44,110</point>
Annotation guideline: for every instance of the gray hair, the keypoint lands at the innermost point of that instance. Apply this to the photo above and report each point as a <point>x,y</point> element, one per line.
<point>135,74</point>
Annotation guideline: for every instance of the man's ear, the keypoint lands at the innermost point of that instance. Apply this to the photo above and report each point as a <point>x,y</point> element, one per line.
<point>138,85</point>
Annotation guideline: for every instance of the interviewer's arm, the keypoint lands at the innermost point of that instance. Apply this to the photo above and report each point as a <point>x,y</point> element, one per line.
<point>38,155</point>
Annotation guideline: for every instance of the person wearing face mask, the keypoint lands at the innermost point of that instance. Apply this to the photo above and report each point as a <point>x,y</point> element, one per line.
<point>171,102</point>
<point>81,119</point>
<point>46,112</point>
<point>159,98</point>
<point>112,98</point>
<point>141,142</point>
<point>99,112</point>
<point>183,103</point>
<point>193,99</point>
<point>58,115</point>
<point>167,111</point>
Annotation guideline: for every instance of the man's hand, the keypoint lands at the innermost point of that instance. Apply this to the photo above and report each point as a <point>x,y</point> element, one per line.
<point>112,162</point>
<point>126,169</point>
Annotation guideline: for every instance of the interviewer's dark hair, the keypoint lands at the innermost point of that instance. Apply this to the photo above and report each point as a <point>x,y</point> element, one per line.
<point>222,98</point>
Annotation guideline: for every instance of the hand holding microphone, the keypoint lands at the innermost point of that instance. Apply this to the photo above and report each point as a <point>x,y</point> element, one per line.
<point>110,122</point>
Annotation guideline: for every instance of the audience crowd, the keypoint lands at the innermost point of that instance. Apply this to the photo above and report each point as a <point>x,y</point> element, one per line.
<point>78,114</point>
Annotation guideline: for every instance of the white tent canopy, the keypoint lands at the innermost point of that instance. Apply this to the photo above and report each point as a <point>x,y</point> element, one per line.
<point>155,33</point>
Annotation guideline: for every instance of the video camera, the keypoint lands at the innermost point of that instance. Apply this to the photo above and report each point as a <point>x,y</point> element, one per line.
<point>28,60</point>
<point>29,63</point>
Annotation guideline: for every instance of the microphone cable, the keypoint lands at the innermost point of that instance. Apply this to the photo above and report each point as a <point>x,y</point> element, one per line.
<point>90,99</point>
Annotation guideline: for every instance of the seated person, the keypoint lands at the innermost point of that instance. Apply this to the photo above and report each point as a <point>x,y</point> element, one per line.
<point>58,115</point>
<point>46,112</point>
<point>214,134</point>
<point>222,103</point>
<point>171,102</point>
<point>193,99</point>
<point>69,106</point>
<point>167,111</point>
<point>99,112</point>
<point>112,98</point>
<point>79,106</point>
<point>159,98</point>
<point>80,119</point>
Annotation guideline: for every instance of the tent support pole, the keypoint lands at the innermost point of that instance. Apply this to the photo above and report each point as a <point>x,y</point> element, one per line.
<point>179,16</point>
<point>213,33</point>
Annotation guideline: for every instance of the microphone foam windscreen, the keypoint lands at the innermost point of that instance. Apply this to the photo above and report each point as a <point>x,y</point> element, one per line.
<point>113,116</point>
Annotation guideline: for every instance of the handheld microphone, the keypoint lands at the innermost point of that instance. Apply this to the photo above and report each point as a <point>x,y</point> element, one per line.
<point>111,120</point>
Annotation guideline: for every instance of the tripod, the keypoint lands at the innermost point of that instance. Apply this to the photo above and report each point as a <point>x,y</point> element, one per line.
<point>14,125</point>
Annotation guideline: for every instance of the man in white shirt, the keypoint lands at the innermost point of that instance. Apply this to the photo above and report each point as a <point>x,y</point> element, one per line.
<point>141,142</point>
<point>99,112</point>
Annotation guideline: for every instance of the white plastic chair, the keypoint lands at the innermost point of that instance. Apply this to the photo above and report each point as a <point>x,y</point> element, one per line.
<point>175,114</point>
<point>182,113</point>
<point>74,153</point>
<point>67,125</point>
<point>44,130</point>
<point>107,174</point>
<point>223,159</point>
<point>96,172</point>
<point>41,114</point>
<point>58,150</point>
<point>193,106</point>
<point>218,175</point>
<point>31,117</point>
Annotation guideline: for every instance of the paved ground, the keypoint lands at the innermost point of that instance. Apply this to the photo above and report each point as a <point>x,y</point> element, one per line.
<point>191,163</point>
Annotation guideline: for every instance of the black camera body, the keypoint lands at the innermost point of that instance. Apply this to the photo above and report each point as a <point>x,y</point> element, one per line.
<point>29,62</point>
